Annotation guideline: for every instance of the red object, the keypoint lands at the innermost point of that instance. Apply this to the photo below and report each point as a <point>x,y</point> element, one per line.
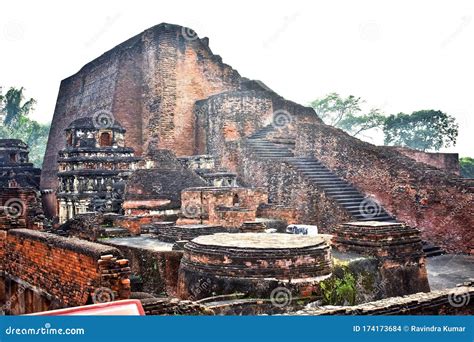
<point>128,307</point>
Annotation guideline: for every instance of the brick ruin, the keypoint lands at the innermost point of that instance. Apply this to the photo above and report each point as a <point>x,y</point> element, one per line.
<point>20,200</point>
<point>253,263</point>
<point>397,247</point>
<point>93,168</point>
<point>42,271</point>
<point>170,178</point>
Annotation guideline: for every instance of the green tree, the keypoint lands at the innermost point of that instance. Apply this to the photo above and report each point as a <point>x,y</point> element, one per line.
<point>15,124</point>
<point>467,167</point>
<point>347,114</point>
<point>422,130</point>
<point>14,106</point>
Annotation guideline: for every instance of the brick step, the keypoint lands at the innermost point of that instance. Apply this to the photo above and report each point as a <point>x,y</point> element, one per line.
<point>329,182</point>
<point>353,200</point>
<point>274,155</point>
<point>320,172</point>
<point>324,179</point>
<point>272,152</point>
<point>431,250</point>
<point>314,168</point>
<point>357,212</point>
<point>385,218</point>
<point>261,143</point>
<point>334,187</point>
<point>260,150</point>
<point>330,189</point>
<point>342,194</point>
<point>307,165</point>
<point>361,217</point>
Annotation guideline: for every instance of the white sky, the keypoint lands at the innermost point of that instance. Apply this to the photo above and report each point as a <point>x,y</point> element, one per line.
<point>402,56</point>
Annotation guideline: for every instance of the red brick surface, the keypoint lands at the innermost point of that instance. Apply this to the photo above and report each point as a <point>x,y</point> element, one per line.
<point>68,269</point>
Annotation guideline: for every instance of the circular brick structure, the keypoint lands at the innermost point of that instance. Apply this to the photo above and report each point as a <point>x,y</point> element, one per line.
<point>391,240</point>
<point>253,264</point>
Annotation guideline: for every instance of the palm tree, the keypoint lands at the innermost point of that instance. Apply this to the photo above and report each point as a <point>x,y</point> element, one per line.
<point>13,106</point>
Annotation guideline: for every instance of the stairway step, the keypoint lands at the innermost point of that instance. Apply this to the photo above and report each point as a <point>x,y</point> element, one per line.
<point>338,188</point>
<point>348,202</point>
<point>346,195</point>
<point>308,165</point>
<point>330,183</point>
<point>271,151</point>
<point>318,172</point>
<point>431,250</point>
<point>375,218</point>
<point>313,168</point>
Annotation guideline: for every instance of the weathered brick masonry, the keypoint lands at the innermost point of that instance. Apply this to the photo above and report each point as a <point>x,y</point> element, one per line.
<point>60,271</point>
<point>254,264</point>
<point>438,203</point>
<point>171,92</point>
<point>455,301</point>
<point>140,82</point>
<point>444,161</point>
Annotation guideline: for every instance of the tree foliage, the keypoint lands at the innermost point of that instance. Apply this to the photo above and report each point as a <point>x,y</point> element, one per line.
<point>15,124</point>
<point>347,114</point>
<point>422,130</point>
<point>467,167</point>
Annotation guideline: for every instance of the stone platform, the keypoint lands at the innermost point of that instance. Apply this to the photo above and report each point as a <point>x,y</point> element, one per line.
<point>380,239</point>
<point>398,248</point>
<point>253,264</point>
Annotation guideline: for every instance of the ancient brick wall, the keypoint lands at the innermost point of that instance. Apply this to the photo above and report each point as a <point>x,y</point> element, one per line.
<point>140,82</point>
<point>436,202</point>
<point>224,119</point>
<point>455,301</point>
<point>284,213</point>
<point>224,206</point>
<point>68,271</point>
<point>157,270</point>
<point>229,117</point>
<point>444,161</point>
<point>286,187</point>
<point>20,207</point>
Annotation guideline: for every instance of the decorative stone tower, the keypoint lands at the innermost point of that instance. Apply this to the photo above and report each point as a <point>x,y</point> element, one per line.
<point>93,168</point>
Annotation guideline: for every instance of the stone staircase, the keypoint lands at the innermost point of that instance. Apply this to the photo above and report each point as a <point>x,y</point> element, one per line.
<point>347,196</point>
<point>431,250</point>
